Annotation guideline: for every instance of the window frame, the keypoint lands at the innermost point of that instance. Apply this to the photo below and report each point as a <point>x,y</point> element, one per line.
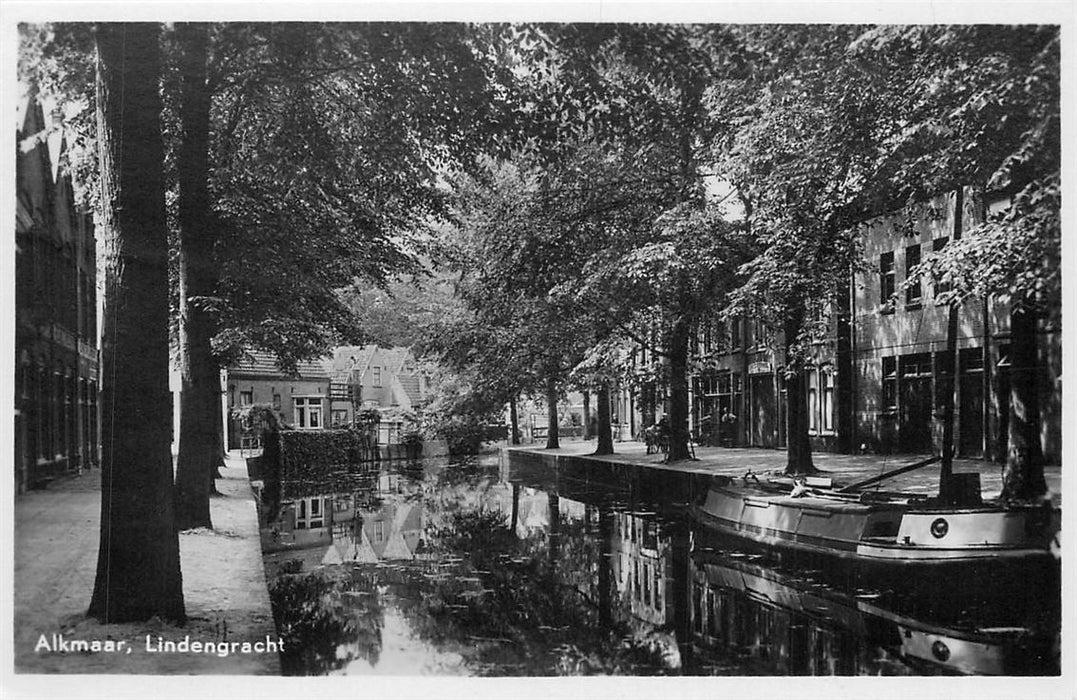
<point>307,410</point>
<point>887,282</point>
<point>914,291</point>
<point>889,397</point>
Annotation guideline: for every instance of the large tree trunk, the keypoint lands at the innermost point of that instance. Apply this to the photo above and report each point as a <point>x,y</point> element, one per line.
<point>798,444</point>
<point>605,429</point>
<point>678,391</point>
<point>198,459</point>
<point>138,566</point>
<point>1022,477</point>
<point>552,442</point>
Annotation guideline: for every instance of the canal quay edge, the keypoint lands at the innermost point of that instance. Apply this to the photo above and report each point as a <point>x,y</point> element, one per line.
<point>741,461</point>
<point>229,629</point>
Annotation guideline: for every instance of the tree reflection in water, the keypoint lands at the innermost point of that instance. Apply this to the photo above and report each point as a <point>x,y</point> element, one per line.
<point>322,625</point>
<point>609,578</point>
<point>500,602</point>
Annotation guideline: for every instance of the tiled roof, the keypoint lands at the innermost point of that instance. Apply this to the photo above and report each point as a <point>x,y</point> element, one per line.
<point>410,384</point>
<point>264,363</point>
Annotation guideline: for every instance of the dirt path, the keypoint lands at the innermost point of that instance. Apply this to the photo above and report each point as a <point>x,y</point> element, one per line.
<point>56,536</point>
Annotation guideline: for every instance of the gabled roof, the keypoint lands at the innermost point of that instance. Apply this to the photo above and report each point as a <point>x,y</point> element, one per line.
<point>264,363</point>
<point>347,358</point>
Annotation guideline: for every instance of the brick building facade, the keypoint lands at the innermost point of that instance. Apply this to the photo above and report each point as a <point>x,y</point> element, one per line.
<point>880,377</point>
<point>56,347</point>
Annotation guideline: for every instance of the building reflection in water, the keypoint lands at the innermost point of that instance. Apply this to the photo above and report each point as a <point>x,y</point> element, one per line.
<point>486,570</point>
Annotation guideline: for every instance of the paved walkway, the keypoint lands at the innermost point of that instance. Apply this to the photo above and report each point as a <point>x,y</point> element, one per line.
<point>843,469</point>
<point>56,542</point>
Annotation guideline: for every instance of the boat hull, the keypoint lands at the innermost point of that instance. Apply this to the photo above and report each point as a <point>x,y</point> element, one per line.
<point>880,532</point>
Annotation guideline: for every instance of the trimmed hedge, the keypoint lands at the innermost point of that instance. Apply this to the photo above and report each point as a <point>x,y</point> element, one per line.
<point>323,461</point>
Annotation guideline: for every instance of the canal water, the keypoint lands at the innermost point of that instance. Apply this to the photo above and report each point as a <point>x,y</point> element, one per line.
<point>483,568</point>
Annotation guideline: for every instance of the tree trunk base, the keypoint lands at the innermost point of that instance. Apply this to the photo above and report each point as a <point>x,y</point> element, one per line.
<point>810,470</point>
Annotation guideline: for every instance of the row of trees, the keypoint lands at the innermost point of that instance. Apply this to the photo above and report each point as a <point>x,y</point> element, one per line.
<point>602,234</point>
<point>248,173</point>
<point>259,170</point>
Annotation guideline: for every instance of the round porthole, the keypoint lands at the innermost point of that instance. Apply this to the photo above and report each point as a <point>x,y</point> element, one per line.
<point>940,527</point>
<point>941,651</point>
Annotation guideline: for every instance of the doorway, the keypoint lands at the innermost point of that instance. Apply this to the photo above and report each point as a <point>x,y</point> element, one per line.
<point>914,430</point>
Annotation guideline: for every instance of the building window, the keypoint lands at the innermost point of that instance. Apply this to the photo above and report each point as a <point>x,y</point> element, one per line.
<point>308,412</point>
<point>889,383</point>
<point>886,282</point>
<point>813,401</point>
<point>760,334</point>
<point>276,402</point>
<point>379,530</point>
<point>736,333</point>
<point>246,398</point>
<point>914,293</point>
<point>917,365</point>
<point>940,287</point>
<point>826,398</point>
<point>339,417</point>
<point>309,513</point>
<point>375,376</point>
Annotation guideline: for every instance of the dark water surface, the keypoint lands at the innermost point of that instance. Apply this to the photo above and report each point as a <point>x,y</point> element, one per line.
<point>473,567</point>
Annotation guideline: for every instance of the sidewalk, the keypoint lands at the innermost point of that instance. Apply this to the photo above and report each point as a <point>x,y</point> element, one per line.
<point>843,469</point>
<point>224,585</point>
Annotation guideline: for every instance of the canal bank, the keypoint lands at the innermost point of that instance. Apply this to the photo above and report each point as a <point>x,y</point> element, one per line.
<point>738,461</point>
<point>56,543</point>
